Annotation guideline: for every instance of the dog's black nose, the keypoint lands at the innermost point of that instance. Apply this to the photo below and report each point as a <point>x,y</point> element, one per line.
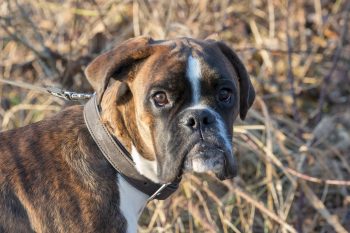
<point>199,118</point>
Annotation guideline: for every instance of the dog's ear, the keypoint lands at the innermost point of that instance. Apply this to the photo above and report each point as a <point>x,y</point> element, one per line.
<point>247,92</point>
<point>114,63</point>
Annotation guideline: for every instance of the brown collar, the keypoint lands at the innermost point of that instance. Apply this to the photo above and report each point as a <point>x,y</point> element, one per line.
<point>119,158</point>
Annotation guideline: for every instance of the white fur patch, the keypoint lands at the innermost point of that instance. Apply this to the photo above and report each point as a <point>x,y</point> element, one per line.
<point>132,203</point>
<point>200,166</point>
<point>144,166</point>
<point>194,74</point>
<point>222,131</point>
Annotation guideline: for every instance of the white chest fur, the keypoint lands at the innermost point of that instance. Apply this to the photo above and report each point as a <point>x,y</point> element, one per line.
<point>132,203</point>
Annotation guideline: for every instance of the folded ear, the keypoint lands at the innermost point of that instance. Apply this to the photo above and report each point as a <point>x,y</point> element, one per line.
<point>113,63</point>
<point>247,92</point>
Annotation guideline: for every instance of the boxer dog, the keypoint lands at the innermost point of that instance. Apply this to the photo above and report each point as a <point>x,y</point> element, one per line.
<point>161,107</point>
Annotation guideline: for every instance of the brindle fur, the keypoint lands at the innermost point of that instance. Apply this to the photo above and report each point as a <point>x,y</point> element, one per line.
<point>54,179</point>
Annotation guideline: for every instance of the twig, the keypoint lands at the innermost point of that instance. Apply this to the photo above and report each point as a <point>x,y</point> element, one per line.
<point>317,180</point>
<point>100,16</point>
<point>46,56</point>
<point>259,41</point>
<point>290,74</point>
<point>321,208</point>
<point>272,25</point>
<point>335,60</point>
<point>135,18</point>
<point>15,36</point>
<point>27,17</point>
<point>261,207</point>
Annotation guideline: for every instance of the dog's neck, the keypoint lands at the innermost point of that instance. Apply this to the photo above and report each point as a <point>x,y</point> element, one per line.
<point>132,203</point>
<point>113,117</point>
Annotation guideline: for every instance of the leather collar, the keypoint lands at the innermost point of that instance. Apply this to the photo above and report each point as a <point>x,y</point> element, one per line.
<point>119,157</point>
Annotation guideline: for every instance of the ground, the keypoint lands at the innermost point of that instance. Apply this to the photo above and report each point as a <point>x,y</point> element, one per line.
<point>294,147</point>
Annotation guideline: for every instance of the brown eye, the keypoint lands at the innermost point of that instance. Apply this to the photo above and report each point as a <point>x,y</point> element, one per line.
<point>160,99</point>
<point>225,95</point>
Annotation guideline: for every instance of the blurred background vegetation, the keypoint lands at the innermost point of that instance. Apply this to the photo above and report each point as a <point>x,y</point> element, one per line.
<point>294,147</point>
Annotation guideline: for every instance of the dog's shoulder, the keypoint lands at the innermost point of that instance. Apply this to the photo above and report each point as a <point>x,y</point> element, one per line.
<point>56,161</point>
<point>39,144</point>
<point>41,137</point>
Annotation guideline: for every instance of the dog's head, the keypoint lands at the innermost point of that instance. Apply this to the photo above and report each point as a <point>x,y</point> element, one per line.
<point>172,103</point>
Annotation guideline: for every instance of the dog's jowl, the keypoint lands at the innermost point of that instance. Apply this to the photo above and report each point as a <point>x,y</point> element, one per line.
<point>161,108</point>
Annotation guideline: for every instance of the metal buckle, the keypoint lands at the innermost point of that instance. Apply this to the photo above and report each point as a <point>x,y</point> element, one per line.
<point>158,192</point>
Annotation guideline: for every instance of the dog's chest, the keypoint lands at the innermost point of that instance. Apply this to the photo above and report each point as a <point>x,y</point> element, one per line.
<point>132,203</point>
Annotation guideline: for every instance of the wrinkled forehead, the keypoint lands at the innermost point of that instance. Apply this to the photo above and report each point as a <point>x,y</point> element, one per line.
<point>172,61</point>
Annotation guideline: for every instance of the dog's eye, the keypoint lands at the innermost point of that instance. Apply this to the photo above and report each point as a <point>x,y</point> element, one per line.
<point>225,95</point>
<point>160,99</point>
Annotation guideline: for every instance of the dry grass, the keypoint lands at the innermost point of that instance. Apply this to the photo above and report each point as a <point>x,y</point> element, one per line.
<point>294,148</point>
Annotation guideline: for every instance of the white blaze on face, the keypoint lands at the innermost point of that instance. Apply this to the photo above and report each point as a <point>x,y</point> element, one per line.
<point>194,75</point>
<point>222,130</point>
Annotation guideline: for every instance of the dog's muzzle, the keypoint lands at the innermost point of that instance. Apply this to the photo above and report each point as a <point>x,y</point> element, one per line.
<point>211,150</point>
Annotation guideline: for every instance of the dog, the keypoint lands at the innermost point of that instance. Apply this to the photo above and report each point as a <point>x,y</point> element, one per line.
<point>161,107</point>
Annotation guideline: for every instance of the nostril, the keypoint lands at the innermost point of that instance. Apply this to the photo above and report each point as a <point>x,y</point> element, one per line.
<point>191,122</point>
<point>207,120</point>
<point>198,119</point>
